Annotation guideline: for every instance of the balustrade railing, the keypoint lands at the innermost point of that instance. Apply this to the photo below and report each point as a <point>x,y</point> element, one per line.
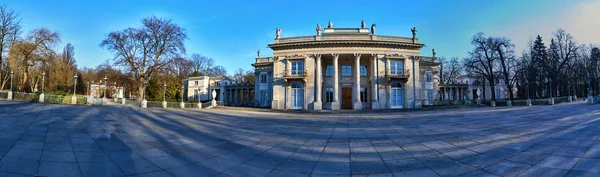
<point>295,73</point>
<point>399,72</point>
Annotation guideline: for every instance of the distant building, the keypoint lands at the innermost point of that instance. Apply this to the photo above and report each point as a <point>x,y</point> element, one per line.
<point>475,83</point>
<point>112,91</point>
<point>201,87</point>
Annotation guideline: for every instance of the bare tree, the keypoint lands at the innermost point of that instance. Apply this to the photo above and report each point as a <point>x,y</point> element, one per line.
<point>148,49</point>
<point>36,47</point>
<point>217,71</point>
<point>449,70</point>
<point>481,60</point>
<point>10,26</point>
<point>239,75</point>
<point>563,49</point>
<point>504,49</point>
<point>201,64</point>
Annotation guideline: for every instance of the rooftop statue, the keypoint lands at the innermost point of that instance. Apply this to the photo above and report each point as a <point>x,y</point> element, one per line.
<point>414,32</point>
<point>363,24</point>
<point>277,33</point>
<point>330,24</point>
<point>433,51</point>
<point>258,53</point>
<point>319,29</point>
<point>373,26</point>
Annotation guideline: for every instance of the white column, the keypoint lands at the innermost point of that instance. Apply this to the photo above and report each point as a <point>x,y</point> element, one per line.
<point>318,105</point>
<point>335,105</point>
<point>357,103</point>
<point>374,90</point>
<point>275,93</point>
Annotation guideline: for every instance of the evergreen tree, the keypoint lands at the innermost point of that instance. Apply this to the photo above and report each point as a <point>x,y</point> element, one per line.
<point>537,67</point>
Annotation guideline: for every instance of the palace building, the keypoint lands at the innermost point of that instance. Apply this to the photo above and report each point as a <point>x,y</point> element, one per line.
<point>345,68</point>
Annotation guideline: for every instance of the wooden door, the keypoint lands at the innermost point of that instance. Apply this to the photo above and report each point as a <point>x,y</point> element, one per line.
<point>346,98</point>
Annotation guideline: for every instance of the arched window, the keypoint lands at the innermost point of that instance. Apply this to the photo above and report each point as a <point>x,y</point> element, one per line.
<point>296,85</point>
<point>396,84</point>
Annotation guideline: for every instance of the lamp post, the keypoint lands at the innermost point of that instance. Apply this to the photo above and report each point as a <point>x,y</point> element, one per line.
<point>10,93</point>
<point>74,97</point>
<point>75,86</point>
<point>43,79</point>
<point>164,91</point>
<point>41,99</point>
<point>89,89</point>
<point>105,80</point>
<point>144,103</point>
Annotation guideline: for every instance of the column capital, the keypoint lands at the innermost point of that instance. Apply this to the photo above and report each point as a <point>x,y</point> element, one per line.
<point>357,55</point>
<point>374,55</point>
<point>335,55</point>
<point>317,56</point>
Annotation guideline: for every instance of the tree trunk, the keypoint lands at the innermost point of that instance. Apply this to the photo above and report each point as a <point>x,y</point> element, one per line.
<point>141,89</point>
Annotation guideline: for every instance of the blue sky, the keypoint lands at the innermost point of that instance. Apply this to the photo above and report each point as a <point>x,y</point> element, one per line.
<point>230,31</point>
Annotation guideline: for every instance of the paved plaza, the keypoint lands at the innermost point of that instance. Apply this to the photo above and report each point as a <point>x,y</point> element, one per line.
<point>62,140</point>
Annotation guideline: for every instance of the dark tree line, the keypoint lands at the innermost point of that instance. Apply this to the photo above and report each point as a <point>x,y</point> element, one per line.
<point>541,71</point>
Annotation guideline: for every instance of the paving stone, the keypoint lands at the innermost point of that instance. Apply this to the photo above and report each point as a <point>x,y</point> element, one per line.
<point>24,154</point>
<point>423,172</point>
<point>543,171</point>
<point>588,165</point>
<point>100,169</point>
<point>58,156</point>
<point>297,166</point>
<point>452,169</point>
<point>332,168</point>
<point>247,170</point>
<point>369,167</point>
<point>58,169</point>
<point>507,168</point>
<point>559,162</point>
<point>137,167</point>
<point>20,166</point>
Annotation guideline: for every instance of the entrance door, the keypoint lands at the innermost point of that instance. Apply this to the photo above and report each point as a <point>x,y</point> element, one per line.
<point>397,97</point>
<point>297,96</point>
<point>474,94</point>
<point>346,98</point>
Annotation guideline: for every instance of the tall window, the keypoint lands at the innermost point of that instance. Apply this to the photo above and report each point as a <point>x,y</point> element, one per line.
<point>263,78</point>
<point>297,67</point>
<point>363,70</point>
<point>346,70</point>
<point>329,71</point>
<point>328,95</point>
<point>396,67</point>
<point>497,93</point>
<point>428,77</point>
<point>195,82</point>
<point>363,94</point>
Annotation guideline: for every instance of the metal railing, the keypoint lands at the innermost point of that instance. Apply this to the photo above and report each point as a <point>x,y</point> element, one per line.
<point>25,97</point>
<point>191,105</point>
<point>295,73</point>
<point>399,72</point>
<point>154,104</point>
<point>206,105</point>
<point>135,103</point>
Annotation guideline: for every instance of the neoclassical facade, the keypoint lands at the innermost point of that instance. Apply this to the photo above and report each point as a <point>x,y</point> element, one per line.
<point>346,68</point>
